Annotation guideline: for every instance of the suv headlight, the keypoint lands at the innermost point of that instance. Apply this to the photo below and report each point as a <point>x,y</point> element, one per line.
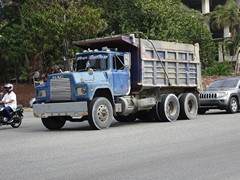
<point>222,94</point>
<point>41,93</point>
<point>81,90</point>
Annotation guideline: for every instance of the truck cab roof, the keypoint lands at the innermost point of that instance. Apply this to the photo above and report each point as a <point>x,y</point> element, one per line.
<point>98,43</point>
<point>98,52</point>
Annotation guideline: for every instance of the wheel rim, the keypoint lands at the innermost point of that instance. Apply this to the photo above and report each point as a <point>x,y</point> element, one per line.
<point>172,107</point>
<point>16,124</point>
<point>234,105</point>
<point>191,106</point>
<point>102,113</point>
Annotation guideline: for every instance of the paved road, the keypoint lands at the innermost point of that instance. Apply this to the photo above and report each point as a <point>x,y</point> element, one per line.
<point>205,148</point>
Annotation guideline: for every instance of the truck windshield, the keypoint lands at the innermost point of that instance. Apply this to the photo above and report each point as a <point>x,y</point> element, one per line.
<point>224,83</point>
<point>94,61</point>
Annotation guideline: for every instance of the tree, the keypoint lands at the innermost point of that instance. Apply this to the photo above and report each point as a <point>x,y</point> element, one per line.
<point>167,20</point>
<point>231,17</point>
<point>44,27</point>
<point>232,46</point>
<point>227,15</point>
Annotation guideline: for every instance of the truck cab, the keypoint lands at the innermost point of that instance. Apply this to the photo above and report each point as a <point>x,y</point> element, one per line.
<point>107,71</point>
<point>112,66</point>
<point>104,73</point>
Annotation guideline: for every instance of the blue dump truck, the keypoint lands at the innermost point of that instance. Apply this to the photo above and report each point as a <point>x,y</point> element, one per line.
<point>125,78</point>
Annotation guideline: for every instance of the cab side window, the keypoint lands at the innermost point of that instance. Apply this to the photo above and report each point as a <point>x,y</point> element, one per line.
<point>118,62</point>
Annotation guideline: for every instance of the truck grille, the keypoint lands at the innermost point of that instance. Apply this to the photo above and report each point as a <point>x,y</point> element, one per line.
<point>60,89</point>
<point>208,96</point>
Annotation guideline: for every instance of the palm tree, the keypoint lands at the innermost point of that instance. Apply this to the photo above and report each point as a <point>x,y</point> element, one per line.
<point>231,17</point>
<point>216,18</point>
<point>233,47</point>
<point>227,15</point>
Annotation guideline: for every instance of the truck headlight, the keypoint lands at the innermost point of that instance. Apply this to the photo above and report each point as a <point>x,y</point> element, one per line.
<point>81,90</point>
<point>41,93</point>
<point>222,94</point>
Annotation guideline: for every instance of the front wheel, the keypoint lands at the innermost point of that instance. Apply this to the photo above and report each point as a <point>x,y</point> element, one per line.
<point>233,105</point>
<point>53,123</point>
<point>100,113</point>
<point>17,121</point>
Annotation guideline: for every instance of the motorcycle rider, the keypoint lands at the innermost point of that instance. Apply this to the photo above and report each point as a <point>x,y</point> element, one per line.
<point>10,101</point>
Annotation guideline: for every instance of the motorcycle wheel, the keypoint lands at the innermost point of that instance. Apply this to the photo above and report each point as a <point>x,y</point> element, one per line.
<point>17,121</point>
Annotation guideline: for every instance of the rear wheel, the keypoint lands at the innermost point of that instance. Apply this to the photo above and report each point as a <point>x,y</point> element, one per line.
<point>53,123</point>
<point>156,112</point>
<point>100,113</point>
<point>233,105</point>
<point>188,106</point>
<point>169,108</point>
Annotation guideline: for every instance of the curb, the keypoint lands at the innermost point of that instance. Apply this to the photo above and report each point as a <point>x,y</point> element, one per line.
<point>27,109</point>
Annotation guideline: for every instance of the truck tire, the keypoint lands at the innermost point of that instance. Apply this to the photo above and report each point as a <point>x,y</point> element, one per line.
<point>100,113</point>
<point>188,106</point>
<point>169,108</point>
<point>232,106</point>
<point>156,112</point>
<point>53,123</point>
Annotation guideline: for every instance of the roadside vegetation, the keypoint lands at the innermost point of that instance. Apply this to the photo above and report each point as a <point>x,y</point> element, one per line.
<point>37,34</point>
<point>223,16</point>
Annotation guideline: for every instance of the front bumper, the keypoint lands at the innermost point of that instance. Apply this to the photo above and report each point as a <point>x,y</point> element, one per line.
<point>73,109</point>
<point>214,104</point>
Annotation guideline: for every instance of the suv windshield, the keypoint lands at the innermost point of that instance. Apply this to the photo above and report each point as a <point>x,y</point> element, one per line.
<point>94,61</point>
<point>224,83</point>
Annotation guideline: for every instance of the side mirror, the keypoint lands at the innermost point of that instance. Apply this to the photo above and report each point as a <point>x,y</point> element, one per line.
<point>36,74</point>
<point>127,60</point>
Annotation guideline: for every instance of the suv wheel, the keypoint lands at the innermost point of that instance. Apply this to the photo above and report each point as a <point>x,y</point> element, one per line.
<point>233,105</point>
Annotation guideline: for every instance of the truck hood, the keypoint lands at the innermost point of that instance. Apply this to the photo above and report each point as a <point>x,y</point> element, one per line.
<point>81,76</point>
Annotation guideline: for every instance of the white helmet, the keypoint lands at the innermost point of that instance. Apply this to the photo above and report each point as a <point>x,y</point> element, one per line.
<point>10,86</point>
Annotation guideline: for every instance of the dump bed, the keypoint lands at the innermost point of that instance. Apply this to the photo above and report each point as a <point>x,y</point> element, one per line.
<point>180,61</point>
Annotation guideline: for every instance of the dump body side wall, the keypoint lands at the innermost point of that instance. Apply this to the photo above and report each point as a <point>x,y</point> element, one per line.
<point>181,62</point>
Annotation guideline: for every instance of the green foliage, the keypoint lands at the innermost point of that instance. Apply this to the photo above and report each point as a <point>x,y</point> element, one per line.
<point>167,20</point>
<point>24,73</point>
<point>46,27</point>
<point>232,45</point>
<point>219,69</point>
<point>227,15</point>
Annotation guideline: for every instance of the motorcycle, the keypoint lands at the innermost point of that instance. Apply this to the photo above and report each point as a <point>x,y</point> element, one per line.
<point>17,116</point>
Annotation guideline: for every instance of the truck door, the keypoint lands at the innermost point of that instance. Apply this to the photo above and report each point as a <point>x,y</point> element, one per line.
<point>121,75</point>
